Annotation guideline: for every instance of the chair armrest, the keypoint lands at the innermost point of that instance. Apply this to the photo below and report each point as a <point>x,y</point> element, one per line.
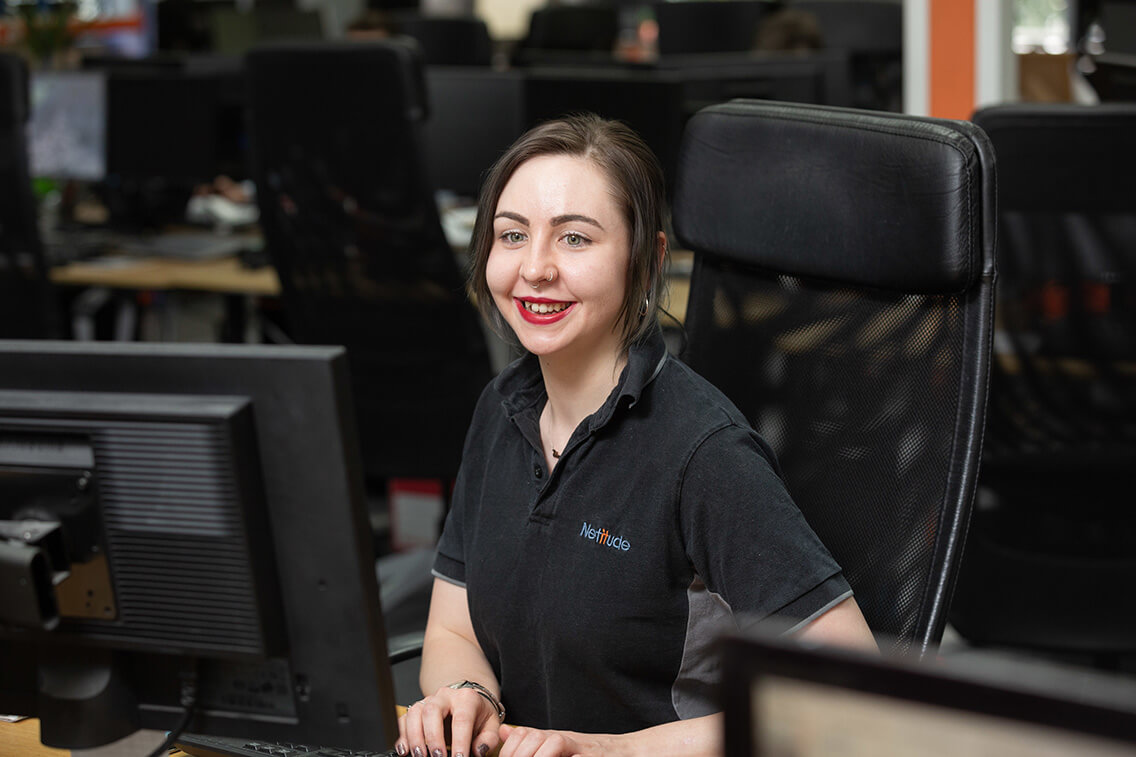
<point>405,646</point>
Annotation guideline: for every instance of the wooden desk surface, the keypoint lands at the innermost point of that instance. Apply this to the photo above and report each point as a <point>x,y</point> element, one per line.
<point>223,275</point>
<point>22,739</point>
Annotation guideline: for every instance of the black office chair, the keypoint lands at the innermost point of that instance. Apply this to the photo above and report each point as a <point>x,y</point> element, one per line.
<point>27,299</point>
<point>351,225</point>
<point>450,40</point>
<point>708,26</point>
<point>569,34</point>
<point>1051,560</point>
<point>842,297</point>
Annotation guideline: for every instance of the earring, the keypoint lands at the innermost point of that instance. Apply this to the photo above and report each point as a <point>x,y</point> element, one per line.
<point>646,306</point>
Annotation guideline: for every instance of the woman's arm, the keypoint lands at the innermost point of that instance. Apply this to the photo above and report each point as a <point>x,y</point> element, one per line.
<point>842,626</point>
<point>451,654</point>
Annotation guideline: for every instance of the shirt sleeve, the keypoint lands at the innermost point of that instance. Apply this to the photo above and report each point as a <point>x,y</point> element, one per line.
<point>450,558</point>
<point>748,541</point>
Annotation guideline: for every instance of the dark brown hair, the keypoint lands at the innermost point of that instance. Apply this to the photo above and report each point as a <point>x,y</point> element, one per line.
<point>636,181</point>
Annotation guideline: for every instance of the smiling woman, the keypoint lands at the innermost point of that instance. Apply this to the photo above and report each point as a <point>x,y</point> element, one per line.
<point>614,511</point>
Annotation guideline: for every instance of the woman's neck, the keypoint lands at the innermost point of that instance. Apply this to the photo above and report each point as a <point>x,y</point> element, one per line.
<point>576,389</point>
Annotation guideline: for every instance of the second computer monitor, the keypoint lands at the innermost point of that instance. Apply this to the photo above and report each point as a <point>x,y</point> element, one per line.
<point>183,528</point>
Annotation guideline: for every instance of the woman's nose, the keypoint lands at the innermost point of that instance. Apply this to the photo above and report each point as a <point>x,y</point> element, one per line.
<point>537,266</point>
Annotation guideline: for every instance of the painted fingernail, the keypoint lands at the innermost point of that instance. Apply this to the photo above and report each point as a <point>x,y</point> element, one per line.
<point>400,748</point>
<point>439,753</point>
<point>417,751</point>
<point>458,754</point>
<point>482,750</point>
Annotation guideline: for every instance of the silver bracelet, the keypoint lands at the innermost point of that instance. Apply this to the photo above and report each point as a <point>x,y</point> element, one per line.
<point>484,692</point>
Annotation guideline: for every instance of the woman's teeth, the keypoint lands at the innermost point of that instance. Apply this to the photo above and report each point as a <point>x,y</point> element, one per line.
<point>544,308</point>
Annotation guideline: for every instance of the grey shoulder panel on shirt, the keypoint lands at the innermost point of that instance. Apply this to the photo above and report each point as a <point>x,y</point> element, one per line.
<point>821,611</point>
<point>447,579</point>
<point>694,690</point>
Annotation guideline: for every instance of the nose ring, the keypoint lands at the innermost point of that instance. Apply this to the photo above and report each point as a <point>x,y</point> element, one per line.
<point>536,284</point>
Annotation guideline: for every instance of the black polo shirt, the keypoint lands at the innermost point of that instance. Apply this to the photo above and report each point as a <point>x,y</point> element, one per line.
<point>597,589</point>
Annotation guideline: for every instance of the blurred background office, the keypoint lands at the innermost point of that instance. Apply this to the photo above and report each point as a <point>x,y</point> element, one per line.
<point>150,202</point>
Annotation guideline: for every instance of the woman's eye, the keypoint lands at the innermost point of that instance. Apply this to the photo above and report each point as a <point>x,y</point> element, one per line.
<point>512,237</point>
<point>574,240</point>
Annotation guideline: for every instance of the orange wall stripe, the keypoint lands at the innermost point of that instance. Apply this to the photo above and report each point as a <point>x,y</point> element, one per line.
<point>952,58</point>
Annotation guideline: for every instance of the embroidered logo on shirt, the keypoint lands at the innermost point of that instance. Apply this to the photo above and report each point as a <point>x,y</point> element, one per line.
<point>604,538</point>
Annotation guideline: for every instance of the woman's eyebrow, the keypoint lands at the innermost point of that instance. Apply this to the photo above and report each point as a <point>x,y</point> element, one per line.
<point>513,216</point>
<point>570,217</point>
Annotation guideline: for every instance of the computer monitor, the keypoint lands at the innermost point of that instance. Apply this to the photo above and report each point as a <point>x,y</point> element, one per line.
<point>162,124</point>
<point>67,128</point>
<point>785,698</point>
<point>649,102</point>
<point>186,523</point>
<point>474,116</point>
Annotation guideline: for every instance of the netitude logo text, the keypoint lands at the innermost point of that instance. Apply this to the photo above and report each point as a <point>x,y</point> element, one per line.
<point>604,538</point>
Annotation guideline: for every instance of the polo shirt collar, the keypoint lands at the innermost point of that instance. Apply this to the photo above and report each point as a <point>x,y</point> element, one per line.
<point>522,386</point>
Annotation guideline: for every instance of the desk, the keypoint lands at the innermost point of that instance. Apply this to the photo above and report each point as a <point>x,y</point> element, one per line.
<point>224,276</point>
<point>221,276</point>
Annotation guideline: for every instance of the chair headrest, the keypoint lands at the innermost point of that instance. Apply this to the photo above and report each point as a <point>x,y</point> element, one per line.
<point>1064,157</point>
<point>871,199</point>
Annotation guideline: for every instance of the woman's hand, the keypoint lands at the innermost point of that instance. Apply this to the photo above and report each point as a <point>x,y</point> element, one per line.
<point>472,724</point>
<point>534,742</point>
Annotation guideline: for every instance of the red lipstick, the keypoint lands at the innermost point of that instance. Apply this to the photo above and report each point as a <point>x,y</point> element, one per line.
<point>541,319</point>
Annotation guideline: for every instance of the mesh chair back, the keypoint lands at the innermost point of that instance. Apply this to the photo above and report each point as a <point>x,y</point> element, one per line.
<point>26,297</point>
<point>1061,436</point>
<point>351,226</point>
<point>842,298</point>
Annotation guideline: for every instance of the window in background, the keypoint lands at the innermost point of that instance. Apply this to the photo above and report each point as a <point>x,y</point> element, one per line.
<point>1041,26</point>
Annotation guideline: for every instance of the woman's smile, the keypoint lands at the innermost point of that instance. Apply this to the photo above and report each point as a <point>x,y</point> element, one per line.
<point>540,310</point>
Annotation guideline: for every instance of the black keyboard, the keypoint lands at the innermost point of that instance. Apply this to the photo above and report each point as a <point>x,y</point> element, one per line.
<point>221,746</point>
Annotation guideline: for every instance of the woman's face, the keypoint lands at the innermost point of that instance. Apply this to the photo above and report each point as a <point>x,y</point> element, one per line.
<point>558,265</point>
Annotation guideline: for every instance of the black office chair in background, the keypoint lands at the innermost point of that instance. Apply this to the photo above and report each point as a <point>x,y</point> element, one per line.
<point>708,26</point>
<point>569,34</point>
<point>870,33</point>
<point>842,297</point>
<point>450,40</point>
<point>351,225</point>
<point>27,299</point>
<point>1051,559</point>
